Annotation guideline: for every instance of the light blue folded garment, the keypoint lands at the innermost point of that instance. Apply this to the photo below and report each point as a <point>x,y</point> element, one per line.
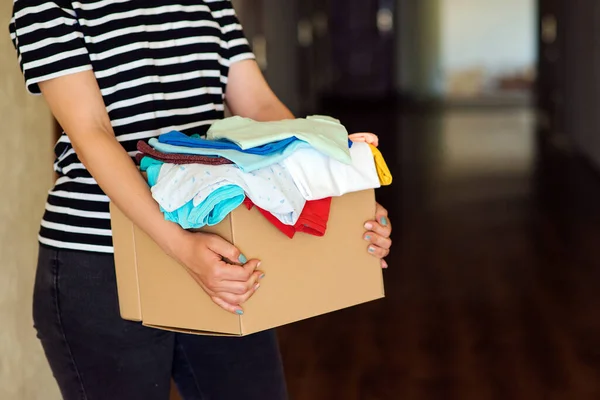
<point>244,161</point>
<point>217,205</point>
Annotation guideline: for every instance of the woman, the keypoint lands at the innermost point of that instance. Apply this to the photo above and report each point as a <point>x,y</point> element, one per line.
<point>114,72</point>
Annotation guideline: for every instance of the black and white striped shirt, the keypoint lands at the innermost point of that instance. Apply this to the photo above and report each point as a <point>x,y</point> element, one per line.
<point>161,65</point>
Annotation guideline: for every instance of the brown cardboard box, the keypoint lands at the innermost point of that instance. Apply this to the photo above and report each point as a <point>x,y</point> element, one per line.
<point>305,276</point>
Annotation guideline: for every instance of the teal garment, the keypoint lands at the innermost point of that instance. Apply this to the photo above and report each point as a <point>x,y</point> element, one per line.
<point>325,134</point>
<point>147,162</point>
<point>244,161</point>
<point>211,211</point>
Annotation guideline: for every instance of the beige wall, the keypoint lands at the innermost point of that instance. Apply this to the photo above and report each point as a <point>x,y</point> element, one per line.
<point>25,176</point>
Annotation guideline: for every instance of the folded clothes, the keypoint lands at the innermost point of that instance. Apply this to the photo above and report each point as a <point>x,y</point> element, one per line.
<point>147,150</point>
<point>383,172</point>
<point>366,137</point>
<point>215,207</point>
<point>318,176</point>
<point>244,161</point>
<point>313,219</point>
<point>180,139</point>
<point>270,188</point>
<point>325,134</point>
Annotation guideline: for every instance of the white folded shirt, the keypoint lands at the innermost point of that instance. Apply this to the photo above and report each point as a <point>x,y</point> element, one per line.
<point>318,176</point>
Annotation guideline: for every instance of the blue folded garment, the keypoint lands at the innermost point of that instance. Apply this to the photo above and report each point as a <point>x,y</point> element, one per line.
<point>244,161</point>
<point>180,139</point>
<point>211,211</point>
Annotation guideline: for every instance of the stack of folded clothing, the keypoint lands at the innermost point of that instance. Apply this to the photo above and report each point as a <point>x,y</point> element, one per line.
<point>288,169</point>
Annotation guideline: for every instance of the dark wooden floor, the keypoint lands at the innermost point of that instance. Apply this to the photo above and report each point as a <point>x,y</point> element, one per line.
<point>493,290</point>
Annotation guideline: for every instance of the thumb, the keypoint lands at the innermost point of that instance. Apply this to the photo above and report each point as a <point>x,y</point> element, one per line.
<point>381,215</point>
<point>226,250</point>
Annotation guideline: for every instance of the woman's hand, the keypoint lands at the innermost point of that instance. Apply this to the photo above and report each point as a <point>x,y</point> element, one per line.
<point>378,235</point>
<point>220,269</point>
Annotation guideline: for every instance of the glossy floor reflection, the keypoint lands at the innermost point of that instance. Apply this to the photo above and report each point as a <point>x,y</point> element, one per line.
<point>493,290</point>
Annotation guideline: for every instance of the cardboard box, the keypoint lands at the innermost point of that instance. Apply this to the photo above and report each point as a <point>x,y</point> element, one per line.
<point>305,276</point>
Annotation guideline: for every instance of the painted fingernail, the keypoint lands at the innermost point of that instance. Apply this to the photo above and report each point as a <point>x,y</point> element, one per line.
<point>384,221</point>
<point>368,226</point>
<point>242,259</point>
<point>262,276</point>
<point>371,250</point>
<point>367,238</point>
<point>239,312</point>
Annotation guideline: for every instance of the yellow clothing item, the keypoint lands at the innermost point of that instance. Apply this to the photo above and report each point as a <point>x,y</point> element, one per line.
<point>385,176</point>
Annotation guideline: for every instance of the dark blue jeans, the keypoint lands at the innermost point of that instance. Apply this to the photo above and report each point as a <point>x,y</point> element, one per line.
<point>96,355</point>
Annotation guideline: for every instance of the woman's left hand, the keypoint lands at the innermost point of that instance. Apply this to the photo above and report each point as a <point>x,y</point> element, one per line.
<point>378,235</point>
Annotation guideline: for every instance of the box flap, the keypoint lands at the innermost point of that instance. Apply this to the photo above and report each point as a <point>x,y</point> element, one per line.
<point>125,265</point>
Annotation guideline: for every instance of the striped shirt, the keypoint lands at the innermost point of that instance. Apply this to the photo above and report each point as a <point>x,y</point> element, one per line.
<point>161,65</point>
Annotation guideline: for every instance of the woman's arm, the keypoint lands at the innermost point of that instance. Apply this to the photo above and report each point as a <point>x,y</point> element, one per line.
<point>249,95</point>
<point>77,104</point>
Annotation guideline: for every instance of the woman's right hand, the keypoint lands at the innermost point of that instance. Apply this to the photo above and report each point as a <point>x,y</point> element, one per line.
<point>220,269</point>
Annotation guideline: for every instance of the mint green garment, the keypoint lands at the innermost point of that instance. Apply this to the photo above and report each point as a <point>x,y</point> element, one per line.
<point>211,211</point>
<point>325,134</point>
<point>245,161</point>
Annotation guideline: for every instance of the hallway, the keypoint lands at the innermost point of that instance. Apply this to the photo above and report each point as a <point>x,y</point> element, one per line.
<point>493,286</point>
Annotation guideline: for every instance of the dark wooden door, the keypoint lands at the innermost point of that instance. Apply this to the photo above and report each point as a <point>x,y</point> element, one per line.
<point>552,63</point>
<point>569,73</point>
<point>582,94</point>
<point>362,41</point>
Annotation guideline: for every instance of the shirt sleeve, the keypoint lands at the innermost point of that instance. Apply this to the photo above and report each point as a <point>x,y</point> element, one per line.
<point>48,40</point>
<point>235,45</point>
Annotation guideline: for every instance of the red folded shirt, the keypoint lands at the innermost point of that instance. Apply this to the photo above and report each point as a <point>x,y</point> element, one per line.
<point>313,219</point>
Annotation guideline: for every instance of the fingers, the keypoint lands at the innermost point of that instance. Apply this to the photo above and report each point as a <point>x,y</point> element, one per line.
<point>383,230</point>
<point>378,235</point>
<point>231,302</point>
<point>227,306</point>
<point>231,294</point>
<point>381,225</point>
<point>229,272</point>
<point>378,252</point>
<point>226,250</point>
<point>380,211</point>
<point>379,241</point>
<point>238,287</point>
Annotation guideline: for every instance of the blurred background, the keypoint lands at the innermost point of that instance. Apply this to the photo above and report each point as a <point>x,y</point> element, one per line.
<point>487,113</point>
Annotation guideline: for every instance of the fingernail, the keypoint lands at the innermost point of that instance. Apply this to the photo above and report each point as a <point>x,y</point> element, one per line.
<point>257,265</point>
<point>242,259</point>
<point>367,238</point>
<point>368,226</point>
<point>239,312</point>
<point>262,276</point>
<point>371,250</point>
<point>384,265</point>
<point>384,221</point>
<point>256,286</point>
